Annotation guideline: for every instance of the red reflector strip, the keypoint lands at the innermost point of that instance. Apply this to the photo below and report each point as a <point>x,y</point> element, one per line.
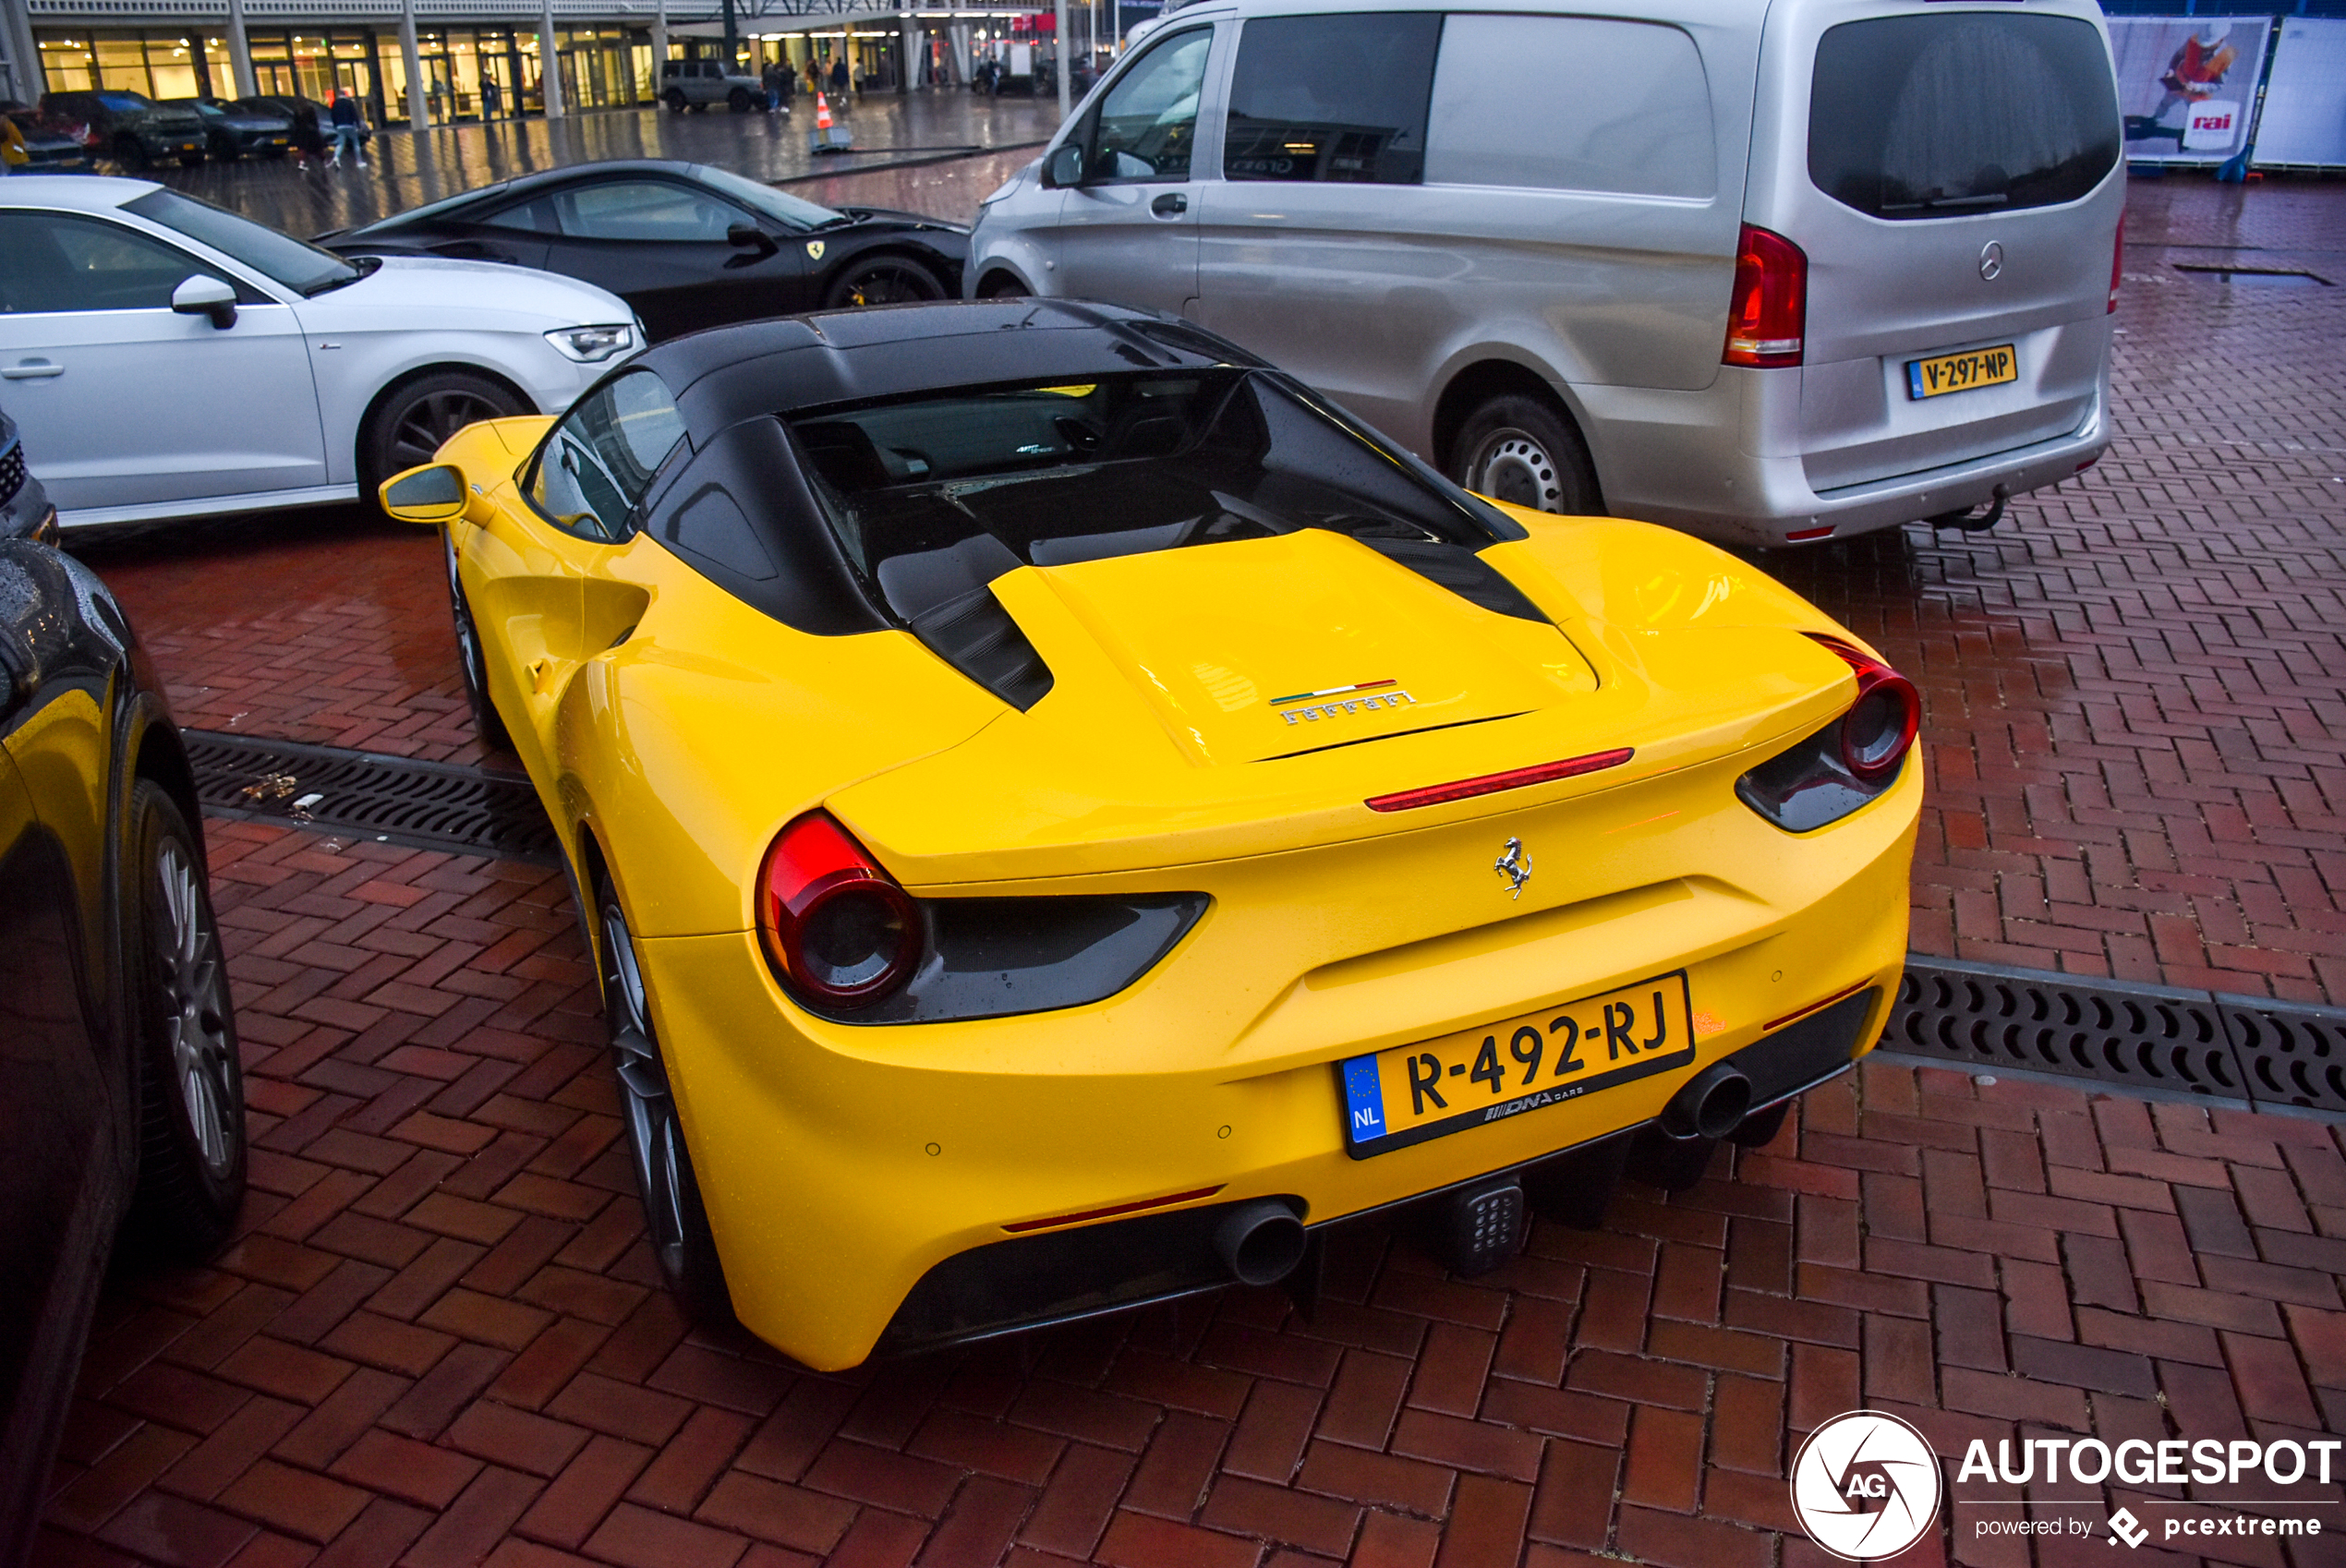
<point>1492,783</point>
<point>1829,1001</point>
<point>1805,535</point>
<point>1112,1210</point>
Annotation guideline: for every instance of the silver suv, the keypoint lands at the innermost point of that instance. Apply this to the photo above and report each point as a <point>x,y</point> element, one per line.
<point>696,84</point>
<point>1772,273</point>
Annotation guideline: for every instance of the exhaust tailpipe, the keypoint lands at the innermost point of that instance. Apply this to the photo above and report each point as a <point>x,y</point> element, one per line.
<point>1710,1105</point>
<point>1261,1242</point>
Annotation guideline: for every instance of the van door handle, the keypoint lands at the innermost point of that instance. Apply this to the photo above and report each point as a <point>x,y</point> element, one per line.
<point>1172,204</point>
<point>31,370</point>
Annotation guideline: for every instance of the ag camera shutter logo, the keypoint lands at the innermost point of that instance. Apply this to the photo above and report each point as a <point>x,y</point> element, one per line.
<point>1866,1486</point>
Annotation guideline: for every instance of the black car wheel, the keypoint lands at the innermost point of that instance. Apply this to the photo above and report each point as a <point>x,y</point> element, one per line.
<point>1517,449</point>
<point>883,280</point>
<point>190,159</point>
<point>130,154</point>
<point>676,99</point>
<point>487,722</point>
<point>738,101</point>
<point>674,1220</point>
<point>191,1162</point>
<point>407,427</point>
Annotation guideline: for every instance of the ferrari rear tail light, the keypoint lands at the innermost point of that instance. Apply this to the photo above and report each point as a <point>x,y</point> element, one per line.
<point>1767,316</point>
<point>1880,727</point>
<point>837,928</point>
<point>2117,262</point>
<point>1833,771</point>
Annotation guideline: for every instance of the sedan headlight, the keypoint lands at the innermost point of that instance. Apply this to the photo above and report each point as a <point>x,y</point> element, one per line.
<point>593,345</point>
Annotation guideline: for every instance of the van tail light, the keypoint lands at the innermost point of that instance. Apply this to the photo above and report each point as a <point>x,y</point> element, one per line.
<point>837,928</point>
<point>1833,771</point>
<point>2117,262</point>
<point>1767,316</point>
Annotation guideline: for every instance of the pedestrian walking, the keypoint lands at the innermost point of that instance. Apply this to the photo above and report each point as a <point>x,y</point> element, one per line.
<point>349,128</point>
<point>492,99</point>
<point>308,138</point>
<point>839,78</point>
<point>772,78</point>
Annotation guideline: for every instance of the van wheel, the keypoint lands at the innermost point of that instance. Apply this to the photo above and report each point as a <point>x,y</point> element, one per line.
<point>1517,449</point>
<point>738,101</point>
<point>1001,286</point>
<point>674,1220</point>
<point>676,99</point>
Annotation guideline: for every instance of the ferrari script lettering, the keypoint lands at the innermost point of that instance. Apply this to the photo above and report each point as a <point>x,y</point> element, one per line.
<point>1350,705</point>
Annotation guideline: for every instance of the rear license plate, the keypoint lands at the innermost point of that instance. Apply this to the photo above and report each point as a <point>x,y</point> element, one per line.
<point>1410,1094</point>
<point>1946,373</point>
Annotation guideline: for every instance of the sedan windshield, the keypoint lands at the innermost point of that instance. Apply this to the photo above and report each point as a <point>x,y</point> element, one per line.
<point>787,209</point>
<point>296,264</point>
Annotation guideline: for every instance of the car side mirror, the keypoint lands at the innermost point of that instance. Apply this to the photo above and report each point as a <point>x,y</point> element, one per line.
<point>428,496</point>
<point>206,296</point>
<point>743,237</point>
<point>1065,167</point>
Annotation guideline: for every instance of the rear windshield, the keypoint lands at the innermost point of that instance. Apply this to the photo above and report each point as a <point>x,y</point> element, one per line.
<point>1937,116</point>
<point>1121,466</point>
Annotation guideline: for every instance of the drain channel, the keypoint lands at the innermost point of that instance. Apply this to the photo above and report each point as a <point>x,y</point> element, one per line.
<point>428,805</point>
<point>1980,1018</point>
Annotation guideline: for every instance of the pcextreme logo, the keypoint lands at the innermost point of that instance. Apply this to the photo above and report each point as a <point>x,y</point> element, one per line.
<point>1865,1486</point>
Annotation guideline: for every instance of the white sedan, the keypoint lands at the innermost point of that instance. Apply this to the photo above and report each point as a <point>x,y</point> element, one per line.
<point>166,358</point>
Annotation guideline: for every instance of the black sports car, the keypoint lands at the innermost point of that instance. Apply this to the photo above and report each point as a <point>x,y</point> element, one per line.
<point>125,1103</point>
<point>688,246</point>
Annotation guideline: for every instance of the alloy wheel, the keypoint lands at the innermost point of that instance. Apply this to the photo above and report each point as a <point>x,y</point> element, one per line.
<point>888,282</point>
<point>654,1135</point>
<point>194,1009</point>
<point>430,419</point>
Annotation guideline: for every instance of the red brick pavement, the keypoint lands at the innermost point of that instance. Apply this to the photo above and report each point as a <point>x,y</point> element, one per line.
<point>2136,689</point>
<point>436,1340</point>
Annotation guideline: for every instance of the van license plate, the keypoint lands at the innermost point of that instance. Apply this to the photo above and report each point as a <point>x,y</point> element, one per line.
<point>1410,1094</point>
<point>1947,373</point>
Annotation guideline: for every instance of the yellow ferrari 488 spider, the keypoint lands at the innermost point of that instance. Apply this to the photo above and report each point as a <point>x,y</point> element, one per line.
<point>1065,814</point>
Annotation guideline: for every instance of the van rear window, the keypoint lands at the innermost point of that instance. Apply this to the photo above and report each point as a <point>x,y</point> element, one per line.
<point>1940,116</point>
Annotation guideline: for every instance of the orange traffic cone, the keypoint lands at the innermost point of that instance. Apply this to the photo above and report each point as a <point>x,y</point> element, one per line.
<point>822,113</point>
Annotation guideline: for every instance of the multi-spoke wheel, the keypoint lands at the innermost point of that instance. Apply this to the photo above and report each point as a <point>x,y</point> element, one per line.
<point>408,426</point>
<point>882,279</point>
<point>674,1219</point>
<point>1519,451</point>
<point>487,722</point>
<point>191,1174</point>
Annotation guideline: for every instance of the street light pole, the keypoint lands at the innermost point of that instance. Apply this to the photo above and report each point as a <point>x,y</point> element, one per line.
<point>239,52</point>
<point>1058,22</point>
<point>418,101</point>
<point>550,62</point>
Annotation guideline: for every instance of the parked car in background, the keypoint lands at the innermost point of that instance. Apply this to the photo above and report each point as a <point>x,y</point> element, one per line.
<point>686,245</point>
<point>166,358</point>
<point>988,738</point>
<point>243,128</point>
<point>132,128</point>
<point>52,144</point>
<point>696,84</point>
<point>26,511</point>
<point>1774,284</point>
<point>124,1105</point>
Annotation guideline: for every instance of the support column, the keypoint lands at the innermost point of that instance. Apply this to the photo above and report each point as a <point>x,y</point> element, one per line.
<point>1058,19</point>
<point>957,54</point>
<point>24,57</point>
<point>908,48</point>
<point>239,53</point>
<point>411,61</point>
<point>659,46</point>
<point>550,62</point>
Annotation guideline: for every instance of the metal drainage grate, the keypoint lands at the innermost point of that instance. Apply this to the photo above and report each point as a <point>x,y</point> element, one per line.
<point>1987,1016</point>
<point>2226,272</point>
<point>431,805</point>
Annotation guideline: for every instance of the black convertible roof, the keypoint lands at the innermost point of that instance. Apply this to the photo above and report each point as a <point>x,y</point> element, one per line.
<point>729,374</point>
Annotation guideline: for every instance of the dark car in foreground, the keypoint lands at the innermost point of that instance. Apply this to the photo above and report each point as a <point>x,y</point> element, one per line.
<point>688,246</point>
<point>25,510</point>
<point>124,1111</point>
<point>241,129</point>
<point>54,144</point>
<point>131,127</point>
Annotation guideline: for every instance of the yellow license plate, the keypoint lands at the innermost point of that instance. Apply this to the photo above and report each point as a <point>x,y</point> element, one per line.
<point>1947,373</point>
<point>1476,1076</point>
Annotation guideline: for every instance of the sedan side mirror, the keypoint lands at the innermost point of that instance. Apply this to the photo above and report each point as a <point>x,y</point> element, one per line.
<point>205,295</point>
<point>1065,166</point>
<point>428,496</point>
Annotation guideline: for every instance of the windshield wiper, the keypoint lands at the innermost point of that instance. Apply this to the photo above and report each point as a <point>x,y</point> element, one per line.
<point>360,266</point>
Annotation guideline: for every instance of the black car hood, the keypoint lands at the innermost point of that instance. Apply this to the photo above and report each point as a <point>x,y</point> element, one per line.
<point>890,217</point>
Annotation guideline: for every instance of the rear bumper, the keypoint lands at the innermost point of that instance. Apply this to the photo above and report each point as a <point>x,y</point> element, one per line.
<point>1683,459</point>
<point>844,1167</point>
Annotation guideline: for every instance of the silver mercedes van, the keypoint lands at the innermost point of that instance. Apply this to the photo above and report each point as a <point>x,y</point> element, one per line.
<point>1770,270</point>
